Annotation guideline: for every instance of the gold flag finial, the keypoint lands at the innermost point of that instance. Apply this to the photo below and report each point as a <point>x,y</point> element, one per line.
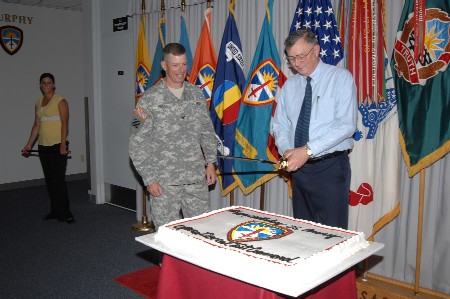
<point>183,5</point>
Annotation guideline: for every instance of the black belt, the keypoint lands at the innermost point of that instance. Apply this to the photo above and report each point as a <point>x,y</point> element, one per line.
<point>326,156</point>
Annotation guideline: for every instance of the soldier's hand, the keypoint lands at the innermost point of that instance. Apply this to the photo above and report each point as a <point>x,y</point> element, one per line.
<point>210,172</point>
<point>155,189</point>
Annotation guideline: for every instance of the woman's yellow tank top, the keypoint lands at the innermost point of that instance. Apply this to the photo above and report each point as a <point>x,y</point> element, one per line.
<point>50,128</point>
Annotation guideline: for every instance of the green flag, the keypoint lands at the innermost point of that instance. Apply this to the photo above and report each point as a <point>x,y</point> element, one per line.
<point>422,82</point>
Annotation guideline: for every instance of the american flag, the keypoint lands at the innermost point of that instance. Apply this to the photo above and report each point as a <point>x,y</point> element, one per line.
<point>318,16</point>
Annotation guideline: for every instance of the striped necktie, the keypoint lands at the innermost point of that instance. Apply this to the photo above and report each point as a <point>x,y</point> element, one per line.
<point>302,129</point>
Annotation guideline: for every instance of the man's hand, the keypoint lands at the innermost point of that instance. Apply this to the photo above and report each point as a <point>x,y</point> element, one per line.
<point>210,174</point>
<point>155,189</point>
<point>296,157</point>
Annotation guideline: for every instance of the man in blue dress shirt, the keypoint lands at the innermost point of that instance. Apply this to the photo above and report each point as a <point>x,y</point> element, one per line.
<point>320,166</point>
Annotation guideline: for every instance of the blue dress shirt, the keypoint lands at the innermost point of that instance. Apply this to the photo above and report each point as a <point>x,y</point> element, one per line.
<point>333,113</point>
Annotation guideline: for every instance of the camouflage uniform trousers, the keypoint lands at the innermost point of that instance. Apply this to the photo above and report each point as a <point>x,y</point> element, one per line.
<point>192,199</point>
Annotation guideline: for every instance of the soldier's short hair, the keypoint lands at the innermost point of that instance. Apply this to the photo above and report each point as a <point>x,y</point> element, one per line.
<point>294,36</point>
<point>175,49</point>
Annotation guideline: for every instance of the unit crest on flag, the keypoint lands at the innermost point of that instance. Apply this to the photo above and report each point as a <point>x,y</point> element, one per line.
<point>263,86</point>
<point>437,48</point>
<point>257,231</point>
<point>205,80</point>
<point>142,79</point>
<point>11,39</point>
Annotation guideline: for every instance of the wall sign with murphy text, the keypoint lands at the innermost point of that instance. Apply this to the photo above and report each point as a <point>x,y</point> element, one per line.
<point>11,39</point>
<point>120,24</point>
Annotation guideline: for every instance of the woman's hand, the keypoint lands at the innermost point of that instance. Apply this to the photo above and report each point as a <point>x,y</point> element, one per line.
<point>26,150</point>
<point>63,149</point>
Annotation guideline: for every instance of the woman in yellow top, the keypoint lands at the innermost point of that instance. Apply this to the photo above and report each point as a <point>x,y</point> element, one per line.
<point>51,127</point>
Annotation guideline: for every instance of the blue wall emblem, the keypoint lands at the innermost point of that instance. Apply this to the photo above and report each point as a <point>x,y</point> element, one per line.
<point>11,39</point>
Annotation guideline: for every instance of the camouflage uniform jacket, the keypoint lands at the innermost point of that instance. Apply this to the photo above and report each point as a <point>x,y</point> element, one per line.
<point>168,135</point>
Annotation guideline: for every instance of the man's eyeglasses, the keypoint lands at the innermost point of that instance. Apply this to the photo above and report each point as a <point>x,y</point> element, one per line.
<point>300,58</point>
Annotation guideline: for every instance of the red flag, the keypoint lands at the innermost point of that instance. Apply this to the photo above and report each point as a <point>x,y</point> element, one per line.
<point>205,60</point>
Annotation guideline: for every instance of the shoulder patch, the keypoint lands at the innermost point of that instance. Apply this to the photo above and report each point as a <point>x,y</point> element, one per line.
<point>141,113</point>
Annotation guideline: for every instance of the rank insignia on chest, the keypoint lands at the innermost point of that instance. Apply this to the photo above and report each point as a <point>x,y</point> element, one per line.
<point>141,113</point>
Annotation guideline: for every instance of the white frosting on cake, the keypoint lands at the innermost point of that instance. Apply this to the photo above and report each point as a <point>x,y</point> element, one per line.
<point>252,242</point>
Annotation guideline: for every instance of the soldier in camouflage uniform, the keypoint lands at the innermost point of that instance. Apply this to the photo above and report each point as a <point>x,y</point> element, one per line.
<point>173,144</point>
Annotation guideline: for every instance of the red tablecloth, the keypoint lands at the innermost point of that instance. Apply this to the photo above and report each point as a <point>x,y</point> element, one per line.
<point>182,280</point>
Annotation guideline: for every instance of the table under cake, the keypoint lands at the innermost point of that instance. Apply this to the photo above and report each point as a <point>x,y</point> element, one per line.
<point>240,252</point>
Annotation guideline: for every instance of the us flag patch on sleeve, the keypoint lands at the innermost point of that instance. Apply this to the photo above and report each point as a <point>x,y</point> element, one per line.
<point>141,113</point>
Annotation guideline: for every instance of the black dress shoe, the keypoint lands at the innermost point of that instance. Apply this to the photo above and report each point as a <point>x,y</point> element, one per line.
<point>48,217</point>
<point>68,220</point>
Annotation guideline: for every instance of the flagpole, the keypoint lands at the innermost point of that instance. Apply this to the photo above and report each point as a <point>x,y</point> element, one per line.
<point>365,269</point>
<point>144,225</point>
<point>419,230</point>
<point>261,196</point>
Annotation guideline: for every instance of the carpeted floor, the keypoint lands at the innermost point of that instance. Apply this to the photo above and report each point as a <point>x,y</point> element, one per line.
<point>49,259</point>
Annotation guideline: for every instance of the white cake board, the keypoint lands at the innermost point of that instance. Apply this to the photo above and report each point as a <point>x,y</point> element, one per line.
<point>291,289</point>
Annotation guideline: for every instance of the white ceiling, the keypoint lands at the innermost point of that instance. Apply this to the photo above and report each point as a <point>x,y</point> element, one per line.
<point>59,4</point>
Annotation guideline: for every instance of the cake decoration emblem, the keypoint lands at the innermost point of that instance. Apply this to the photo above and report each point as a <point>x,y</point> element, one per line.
<point>257,231</point>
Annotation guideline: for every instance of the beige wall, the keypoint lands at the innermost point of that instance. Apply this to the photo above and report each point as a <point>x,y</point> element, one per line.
<point>52,42</point>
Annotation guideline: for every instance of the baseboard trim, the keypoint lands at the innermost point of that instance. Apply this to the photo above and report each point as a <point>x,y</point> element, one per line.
<point>39,182</point>
<point>381,287</point>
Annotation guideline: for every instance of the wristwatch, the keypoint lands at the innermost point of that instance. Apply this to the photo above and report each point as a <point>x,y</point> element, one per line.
<point>308,151</point>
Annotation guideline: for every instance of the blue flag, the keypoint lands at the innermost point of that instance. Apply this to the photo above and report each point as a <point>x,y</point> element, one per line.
<point>184,40</point>
<point>226,98</point>
<point>257,105</point>
<point>318,16</point>
<point>156,73</point>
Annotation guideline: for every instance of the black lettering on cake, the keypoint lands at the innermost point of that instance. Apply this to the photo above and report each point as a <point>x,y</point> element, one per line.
<point>326,235</point>
<point>241,246</point>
